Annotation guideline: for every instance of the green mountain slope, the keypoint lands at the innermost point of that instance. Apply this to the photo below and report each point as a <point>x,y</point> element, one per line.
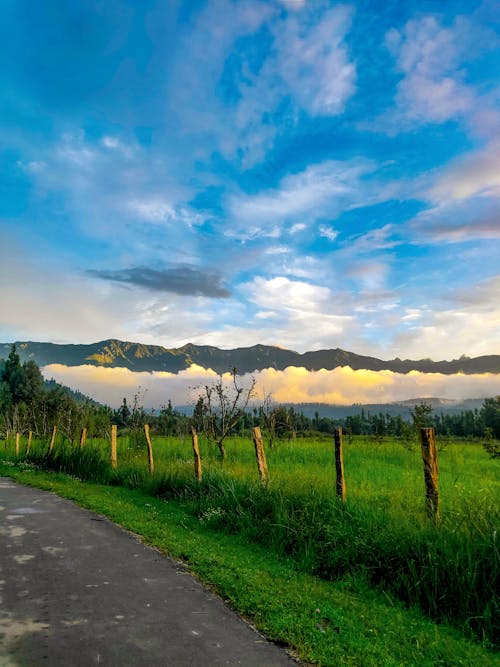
<point>138,357</point>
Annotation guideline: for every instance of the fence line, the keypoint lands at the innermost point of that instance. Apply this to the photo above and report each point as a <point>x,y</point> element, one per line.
<point>428,450</point>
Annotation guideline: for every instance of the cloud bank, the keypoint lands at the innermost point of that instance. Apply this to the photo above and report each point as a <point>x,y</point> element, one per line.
<point>342,386</point>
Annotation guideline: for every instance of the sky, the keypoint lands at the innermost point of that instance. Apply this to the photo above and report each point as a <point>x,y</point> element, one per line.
<point>308,174</point>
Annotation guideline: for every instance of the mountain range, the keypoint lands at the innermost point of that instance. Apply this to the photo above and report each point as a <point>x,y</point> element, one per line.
<point>138,357</point>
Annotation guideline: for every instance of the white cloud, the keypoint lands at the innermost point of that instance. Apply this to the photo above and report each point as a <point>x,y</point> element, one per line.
<point>306,66</point>
<point>314,63</point>
<point>110,142</point>
<point>158,210</point>
<point>108,183</point>
<point>463,205</point>
<point>370,275</point>
<point>434,87</point>
<point>475,174</point>
<point>465,220</point>
<point>321,189</point>
<point>482,295</point>
<point>412,314</point>
<point>328,232</point>
<point>342,386</point>
<point>305,312</point>
<point>56,303</point>
<point>440,226</point>
<point>115,144</point>
<point>297,227</point>
<point>469,323</point>
<point>152,210</point>
<point>381,238</point>
<point>345,386</point>
<point>293,4</point>
<point>277,250</point>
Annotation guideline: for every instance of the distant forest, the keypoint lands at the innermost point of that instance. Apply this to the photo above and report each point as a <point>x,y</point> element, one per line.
<point>29,403</point>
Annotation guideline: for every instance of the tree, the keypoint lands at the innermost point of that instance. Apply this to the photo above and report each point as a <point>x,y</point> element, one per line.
<point>123,413</point>
<point>420,415</point>
<point>267,413</point>
<point>198,420</point>
<point>137,419</point>
<point>490,446</point>
<point>170,421</point>
<point>285,422</point>
<point>490,414</point>
<point>221,407</point>
<point>34,382</point>
<point>12,365</point>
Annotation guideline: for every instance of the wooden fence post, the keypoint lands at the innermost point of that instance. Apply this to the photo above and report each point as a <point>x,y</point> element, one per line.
<point>150,449</point>
<point>114,459</point>
<point>28,446</point>
<point>18,438</point>
<point>260,454</point>
<point>6,439</point>
<point>431,471</point>
<point>83,437</point>
<point>196,452</point>
<point>52,439</point>
<point>339,465</point>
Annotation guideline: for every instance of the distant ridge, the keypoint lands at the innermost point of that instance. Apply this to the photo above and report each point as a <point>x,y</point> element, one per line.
<point>138,357</point>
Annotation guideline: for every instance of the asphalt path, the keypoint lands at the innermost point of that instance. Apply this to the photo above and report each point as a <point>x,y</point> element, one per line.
<point>75,589</point>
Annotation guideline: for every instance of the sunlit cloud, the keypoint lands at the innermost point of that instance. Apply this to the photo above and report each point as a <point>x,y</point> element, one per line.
<point>341,386</point>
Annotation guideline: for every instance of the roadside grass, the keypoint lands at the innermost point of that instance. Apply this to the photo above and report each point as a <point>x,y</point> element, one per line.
<point>380,537</point>
<point>342,622</point>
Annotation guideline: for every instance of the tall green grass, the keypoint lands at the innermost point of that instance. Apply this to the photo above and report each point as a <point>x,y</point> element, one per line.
<point>380,536</point>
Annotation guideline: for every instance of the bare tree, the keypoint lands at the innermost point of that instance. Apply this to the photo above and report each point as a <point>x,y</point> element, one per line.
<point>268,414</point>
<point>223,407</point>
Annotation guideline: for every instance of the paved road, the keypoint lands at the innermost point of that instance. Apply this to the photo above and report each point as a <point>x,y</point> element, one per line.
<point>77,590</point>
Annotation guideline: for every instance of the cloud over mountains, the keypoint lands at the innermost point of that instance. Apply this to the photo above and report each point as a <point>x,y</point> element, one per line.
<point>341,386</point>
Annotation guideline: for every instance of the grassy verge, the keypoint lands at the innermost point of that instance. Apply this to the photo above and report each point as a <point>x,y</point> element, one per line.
<point>328,623</point>
<point>451,572</point>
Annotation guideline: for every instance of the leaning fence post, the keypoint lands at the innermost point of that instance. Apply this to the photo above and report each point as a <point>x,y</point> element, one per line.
<point>431,471</point>
<point>339,465</point>
<point>28,446</point>
<point>260,454</point>
<point>18,438</point>
<point>83,437</point>
<point>150,449</point>
<point>114,459</point>
<point>52,439</point>
<point>196,452</point>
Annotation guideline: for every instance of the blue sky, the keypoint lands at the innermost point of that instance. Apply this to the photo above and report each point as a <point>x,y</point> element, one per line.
<point>307,174</point>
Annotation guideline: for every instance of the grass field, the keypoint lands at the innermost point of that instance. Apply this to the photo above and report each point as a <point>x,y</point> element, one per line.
<point>379,541</point>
